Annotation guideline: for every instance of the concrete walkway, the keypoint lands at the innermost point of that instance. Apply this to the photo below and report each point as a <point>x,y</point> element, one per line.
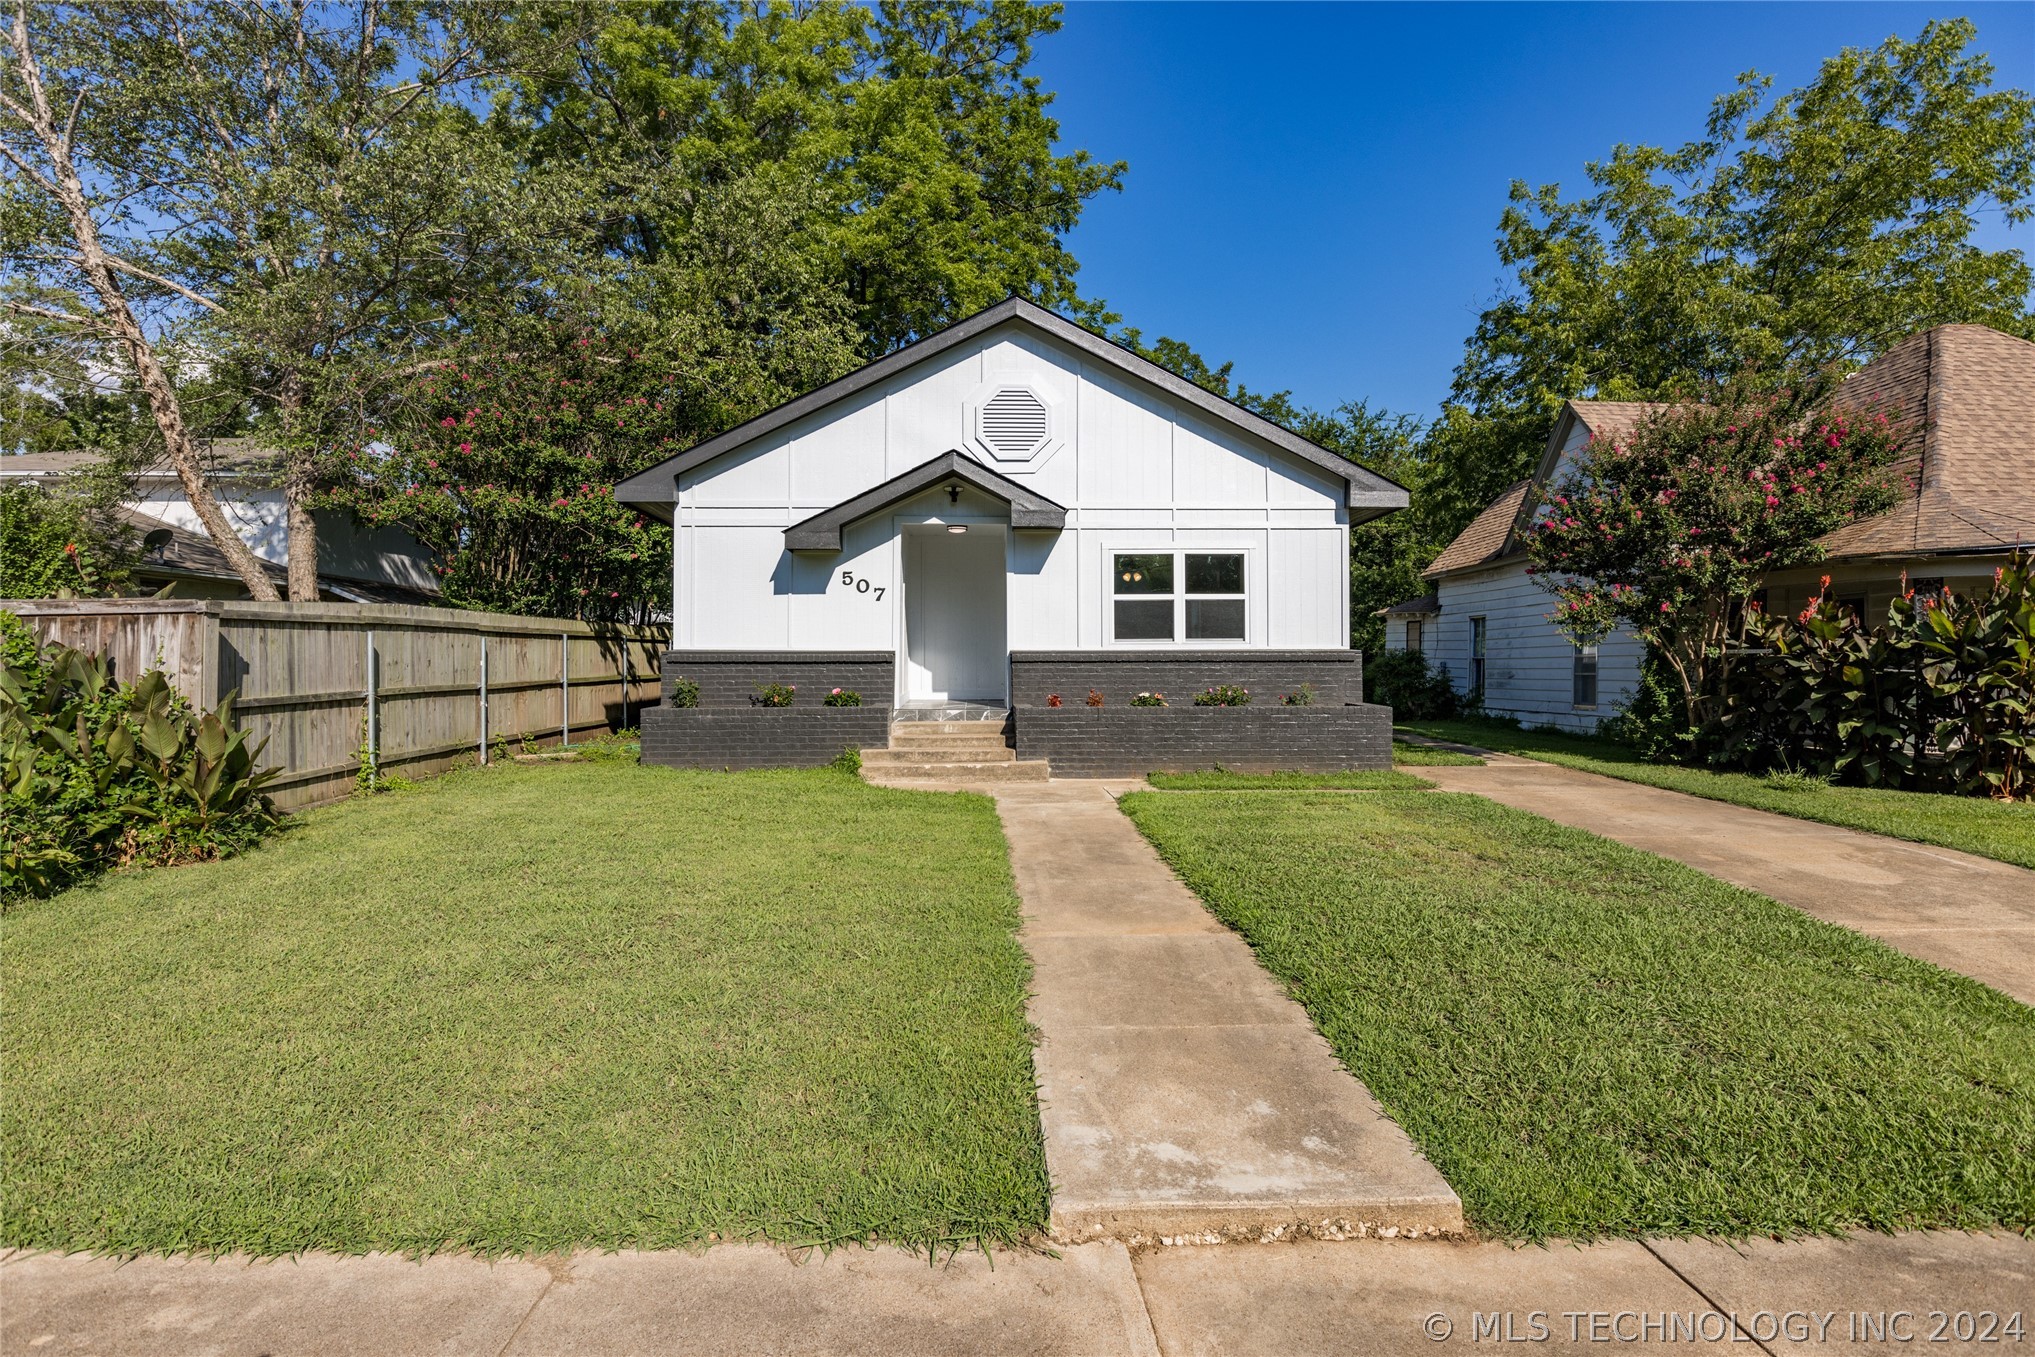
<point>1375,1297</point>
<point>1964,913</point>
<point>1183,1093</point>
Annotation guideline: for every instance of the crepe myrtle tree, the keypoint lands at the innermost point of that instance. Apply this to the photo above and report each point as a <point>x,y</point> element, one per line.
<point>1669,530</point>
<point>505,468</point>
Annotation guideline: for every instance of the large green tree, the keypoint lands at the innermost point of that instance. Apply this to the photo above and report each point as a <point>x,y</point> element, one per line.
<point>907,156</point>
<point>1800,230</point>
<point>292,199</point>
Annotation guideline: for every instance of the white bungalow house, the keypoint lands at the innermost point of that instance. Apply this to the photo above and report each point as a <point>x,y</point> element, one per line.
<point>1016,519</point>
<point>1968,390</point>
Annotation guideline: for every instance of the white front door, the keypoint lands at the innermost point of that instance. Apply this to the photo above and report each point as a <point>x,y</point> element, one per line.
<point>955,643</point>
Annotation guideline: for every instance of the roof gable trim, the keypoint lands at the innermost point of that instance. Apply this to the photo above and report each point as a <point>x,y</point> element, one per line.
<point>822,532</point>
<point>655,488</point>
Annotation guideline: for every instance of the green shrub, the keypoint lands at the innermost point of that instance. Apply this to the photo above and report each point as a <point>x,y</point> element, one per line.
<point>1655,723</point>
<point>849,760</point>
<point>1303,696</point>
<point>1223,695</point>
<point>1940,697</point>
<point>1403,681</point>
<point>1144,700</point>
<point>842,697</point>
<point>95,773</point>
<point>685,692</point>
<point>775,695</point>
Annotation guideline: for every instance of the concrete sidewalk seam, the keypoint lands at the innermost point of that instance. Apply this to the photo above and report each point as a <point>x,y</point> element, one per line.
<point>1708,1299</point>
<point>550,1281</point>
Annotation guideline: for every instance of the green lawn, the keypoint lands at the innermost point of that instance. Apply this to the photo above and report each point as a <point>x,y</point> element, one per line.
<point>1423,756</point>
<point>1971,824</point>
<point>1366,779</point>
<point>529,1009</point>
<point>1588,1040</point>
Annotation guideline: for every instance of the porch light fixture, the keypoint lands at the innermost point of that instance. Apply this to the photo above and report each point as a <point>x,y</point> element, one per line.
<point>957,527</point>
<point>953,494</point>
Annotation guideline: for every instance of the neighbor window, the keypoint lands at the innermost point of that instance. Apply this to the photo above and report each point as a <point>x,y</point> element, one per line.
<point>1413,639</point>
<point>1477,659</point>
<point>1178,595</point>
<point>1583,677</point>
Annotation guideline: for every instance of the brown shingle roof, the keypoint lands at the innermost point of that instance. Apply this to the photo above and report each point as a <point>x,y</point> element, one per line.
<point>1969,390</point>
<point>1614,419</point>
<point>1487,536</point>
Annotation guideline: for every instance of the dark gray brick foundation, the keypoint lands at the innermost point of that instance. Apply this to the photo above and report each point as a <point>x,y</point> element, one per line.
<point>760,737</point>
<point>1123,741</point>
<point>1337,675</point>
<point>730,678</point>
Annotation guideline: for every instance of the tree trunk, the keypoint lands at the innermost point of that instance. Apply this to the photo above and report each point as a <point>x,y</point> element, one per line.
<point>303,544</point>
<point>299,481</point>
<point>119,321</point>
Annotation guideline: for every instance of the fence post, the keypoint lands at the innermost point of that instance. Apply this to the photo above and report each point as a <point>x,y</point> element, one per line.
<point>484,699</point>
<point>370,753</point>
<point>564,690</point>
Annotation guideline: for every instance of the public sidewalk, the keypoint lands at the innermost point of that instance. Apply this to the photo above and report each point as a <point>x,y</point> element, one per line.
<point>1963,913</point>
<point>1370,1297</point>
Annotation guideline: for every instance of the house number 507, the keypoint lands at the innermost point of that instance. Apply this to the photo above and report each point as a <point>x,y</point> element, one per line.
<point>860,585</point>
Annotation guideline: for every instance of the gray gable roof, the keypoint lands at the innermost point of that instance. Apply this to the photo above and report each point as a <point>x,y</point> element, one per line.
<point>822,532</point>
<point>1370,495</point>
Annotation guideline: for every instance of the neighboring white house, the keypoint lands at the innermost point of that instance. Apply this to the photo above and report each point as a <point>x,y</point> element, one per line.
<point>1968,390</point>
<point>1010,510</point>
<point>355,564</point>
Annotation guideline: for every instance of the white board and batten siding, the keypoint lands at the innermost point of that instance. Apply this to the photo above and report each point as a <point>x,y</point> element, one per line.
<point>1135,469</point>
<point>1529,666</point>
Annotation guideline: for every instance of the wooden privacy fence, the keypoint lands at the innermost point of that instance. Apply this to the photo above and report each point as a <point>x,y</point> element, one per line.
<point>330,684</point>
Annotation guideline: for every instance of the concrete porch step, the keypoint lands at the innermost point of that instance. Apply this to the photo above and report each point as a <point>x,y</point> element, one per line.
<point>911,737</point>
<point>915,754</point>
<point>944,730</point>
<point>1030,770</point>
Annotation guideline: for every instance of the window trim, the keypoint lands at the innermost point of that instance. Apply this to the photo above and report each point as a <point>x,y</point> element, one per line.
<point>1179,597</point>
<point>1591,654</point>
<point>1480,644</point>
<point>1414,637</point>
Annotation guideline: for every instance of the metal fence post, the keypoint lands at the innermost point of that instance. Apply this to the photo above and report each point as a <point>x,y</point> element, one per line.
<point>371,748</point>
<point>564,689</point>
<point>484,699</point>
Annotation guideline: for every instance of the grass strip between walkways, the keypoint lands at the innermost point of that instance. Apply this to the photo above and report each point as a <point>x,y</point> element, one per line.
<point>532,1009</point>
<point>1588,1040</point>
<point>1970,824</point>
<point>1221,779</point>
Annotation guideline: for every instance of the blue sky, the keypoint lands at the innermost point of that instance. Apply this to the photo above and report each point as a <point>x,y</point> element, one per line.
<point>1314,188</point>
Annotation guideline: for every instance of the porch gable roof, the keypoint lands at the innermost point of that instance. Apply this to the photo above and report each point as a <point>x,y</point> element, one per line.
<point>822,532</point>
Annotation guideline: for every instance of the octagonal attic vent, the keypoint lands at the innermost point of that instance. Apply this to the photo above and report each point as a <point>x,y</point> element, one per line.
<point>1013,423</point>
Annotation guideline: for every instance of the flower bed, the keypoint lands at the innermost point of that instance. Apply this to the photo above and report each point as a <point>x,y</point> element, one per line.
<point>1133,741</point>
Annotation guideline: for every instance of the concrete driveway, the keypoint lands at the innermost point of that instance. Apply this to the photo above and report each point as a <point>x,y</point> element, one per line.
<point>1963,913</point>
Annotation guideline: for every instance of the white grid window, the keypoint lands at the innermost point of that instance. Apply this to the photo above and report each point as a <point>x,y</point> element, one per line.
<point>1161,596</point>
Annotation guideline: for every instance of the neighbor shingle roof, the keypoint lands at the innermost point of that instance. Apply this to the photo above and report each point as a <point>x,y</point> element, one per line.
<point>1486,538</point>
<point>1411,607</point>
<point>219,456</point>
<point>1614,419</point>
<point>1969,392</point>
